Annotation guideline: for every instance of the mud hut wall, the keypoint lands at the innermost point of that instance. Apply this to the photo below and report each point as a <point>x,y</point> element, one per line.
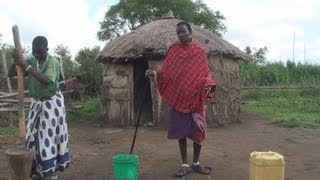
<point>225,106</point>
<point>117,93</point>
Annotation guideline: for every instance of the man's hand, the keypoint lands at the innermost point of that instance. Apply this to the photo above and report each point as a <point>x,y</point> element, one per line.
<point>150,73</point>
<point>210,92</point>
<point>18,58</point>
<point>208,89</point>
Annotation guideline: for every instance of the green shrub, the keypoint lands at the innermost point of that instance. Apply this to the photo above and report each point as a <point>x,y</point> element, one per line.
<point>88,109</point>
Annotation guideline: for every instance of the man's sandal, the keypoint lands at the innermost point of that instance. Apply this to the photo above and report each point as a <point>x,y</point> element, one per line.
<point>201,169</point>
<point>182,171</point>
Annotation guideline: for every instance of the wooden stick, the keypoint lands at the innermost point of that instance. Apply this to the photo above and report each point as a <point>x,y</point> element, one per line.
<point>17,44</point>
<point>3,93</point>
<point>26,100</point>
<point>12,94</point>
<point>61,69</point>
<point>5,104</point>
<point>8,109</point>
<point>5,70</point>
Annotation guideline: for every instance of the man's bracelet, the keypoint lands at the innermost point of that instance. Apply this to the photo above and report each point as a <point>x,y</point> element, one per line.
<point>28,68</point>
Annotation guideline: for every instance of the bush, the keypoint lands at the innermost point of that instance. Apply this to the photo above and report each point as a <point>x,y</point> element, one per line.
<point>89,109</point>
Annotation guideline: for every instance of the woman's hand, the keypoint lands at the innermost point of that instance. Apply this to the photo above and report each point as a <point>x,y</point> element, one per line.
<point>18,58</point>
<point>150,73</point>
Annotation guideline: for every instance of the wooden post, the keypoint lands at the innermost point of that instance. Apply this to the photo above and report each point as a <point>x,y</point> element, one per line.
<point>17,44</point>
<point>61,69</point>
<point>5,70</point>
<point>19,163</point>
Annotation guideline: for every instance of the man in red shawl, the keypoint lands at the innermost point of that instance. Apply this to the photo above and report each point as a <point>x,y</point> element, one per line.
<point>184,83</point>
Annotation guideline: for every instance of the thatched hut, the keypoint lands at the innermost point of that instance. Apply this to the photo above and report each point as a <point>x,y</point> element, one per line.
<point>127,57</point>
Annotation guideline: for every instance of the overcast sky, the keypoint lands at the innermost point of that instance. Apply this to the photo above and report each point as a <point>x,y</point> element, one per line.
<point>255,23</point>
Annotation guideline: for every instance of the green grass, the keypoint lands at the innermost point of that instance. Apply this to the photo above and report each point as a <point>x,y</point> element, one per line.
<point>89,109</point>
<point>295,140</point>
<point>290,108</point>
<point>6,131</point>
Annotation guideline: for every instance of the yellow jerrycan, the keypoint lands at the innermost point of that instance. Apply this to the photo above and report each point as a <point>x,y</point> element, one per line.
<point>266,166</point>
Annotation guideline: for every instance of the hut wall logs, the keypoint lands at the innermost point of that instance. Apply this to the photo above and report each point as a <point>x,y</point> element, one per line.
<point>224,108</point>
<point>117,101</point>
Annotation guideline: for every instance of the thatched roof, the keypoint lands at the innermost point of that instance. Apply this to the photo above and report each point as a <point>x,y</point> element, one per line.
<point>155,38</point>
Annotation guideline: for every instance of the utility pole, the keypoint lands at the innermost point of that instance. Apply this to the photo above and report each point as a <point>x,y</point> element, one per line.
<point>294,41</point>
<point>305,52</point>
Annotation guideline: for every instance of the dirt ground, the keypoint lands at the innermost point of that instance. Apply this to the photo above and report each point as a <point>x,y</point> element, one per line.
<point>226,150</point>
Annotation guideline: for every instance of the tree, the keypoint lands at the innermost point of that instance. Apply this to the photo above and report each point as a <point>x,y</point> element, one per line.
<point>70,67</point>
<point>258,56</point>
<point>5,45</point>
<point>127,15</point>
<point>7,50</point>
<point>89,71</point>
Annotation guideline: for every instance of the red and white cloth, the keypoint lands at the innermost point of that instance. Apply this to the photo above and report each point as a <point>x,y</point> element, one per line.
<point>184,76</point>
<point>183,81</point>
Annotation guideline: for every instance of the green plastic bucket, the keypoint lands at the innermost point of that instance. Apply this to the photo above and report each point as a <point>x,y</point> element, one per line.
<point>125,167</point>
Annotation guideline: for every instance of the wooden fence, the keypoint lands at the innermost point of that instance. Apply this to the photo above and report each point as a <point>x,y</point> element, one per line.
<point>9,97</point>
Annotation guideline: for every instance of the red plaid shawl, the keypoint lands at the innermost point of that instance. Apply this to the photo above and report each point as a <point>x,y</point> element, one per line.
<point>183,77</point>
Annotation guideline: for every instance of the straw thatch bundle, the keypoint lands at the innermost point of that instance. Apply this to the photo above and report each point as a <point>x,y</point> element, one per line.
<point>155,38</point>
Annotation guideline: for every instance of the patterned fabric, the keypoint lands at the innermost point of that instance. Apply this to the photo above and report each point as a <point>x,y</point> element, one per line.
<point>183,77</point>
<point>50,67</point>
<point>47,135</point>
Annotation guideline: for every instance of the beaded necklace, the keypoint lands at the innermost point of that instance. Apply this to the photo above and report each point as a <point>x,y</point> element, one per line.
<point>43,64</point>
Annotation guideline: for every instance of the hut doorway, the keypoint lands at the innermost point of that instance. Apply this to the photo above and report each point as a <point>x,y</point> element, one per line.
<point>139,94</point>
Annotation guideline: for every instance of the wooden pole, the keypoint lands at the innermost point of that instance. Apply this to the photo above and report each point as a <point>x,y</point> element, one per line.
<point>11,94</point>
<point>5,70</point>
<point>61,69</point>
<point>305,53</point>
<point>294,42</point>
<point>17,44</point>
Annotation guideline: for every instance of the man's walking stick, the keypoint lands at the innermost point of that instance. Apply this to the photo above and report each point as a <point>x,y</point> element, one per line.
<point>17,44</point>
<point>139,115</point>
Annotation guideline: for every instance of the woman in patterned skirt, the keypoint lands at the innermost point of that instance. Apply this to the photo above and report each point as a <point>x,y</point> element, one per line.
<point>47,130</point>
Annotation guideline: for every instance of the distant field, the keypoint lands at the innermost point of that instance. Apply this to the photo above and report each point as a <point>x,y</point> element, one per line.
<point>293,108</point>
